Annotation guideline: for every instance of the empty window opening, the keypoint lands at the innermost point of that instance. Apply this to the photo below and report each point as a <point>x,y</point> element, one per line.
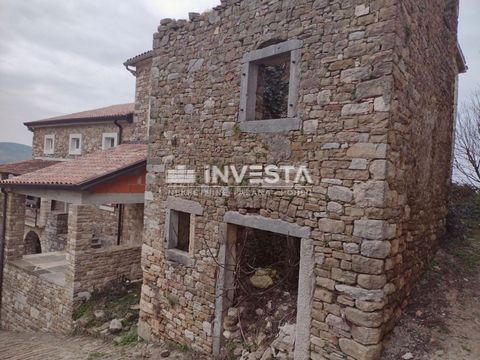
<point>265,287</point>
<point>180,229</point>
<point>272,88</point>
<point>269,87</point>
<point>32,244</point>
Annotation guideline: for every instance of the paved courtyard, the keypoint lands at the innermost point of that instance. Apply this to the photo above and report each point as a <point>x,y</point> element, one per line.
<point>21,346</point>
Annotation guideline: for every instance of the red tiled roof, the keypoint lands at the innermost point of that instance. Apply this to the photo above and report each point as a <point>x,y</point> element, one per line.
<point>83,171</point>
<point>113,112</point>
<point>26,166</point>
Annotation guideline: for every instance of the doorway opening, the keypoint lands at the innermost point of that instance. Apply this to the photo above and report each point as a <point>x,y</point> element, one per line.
<point>32,244</point>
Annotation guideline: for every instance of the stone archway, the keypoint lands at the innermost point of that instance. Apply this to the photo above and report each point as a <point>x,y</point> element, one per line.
<point>32,244</point>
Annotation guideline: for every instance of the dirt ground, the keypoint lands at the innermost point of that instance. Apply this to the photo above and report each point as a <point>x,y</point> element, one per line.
<point>442,321</point>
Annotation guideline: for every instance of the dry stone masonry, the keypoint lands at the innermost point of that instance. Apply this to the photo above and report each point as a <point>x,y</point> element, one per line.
<point>372,121</point>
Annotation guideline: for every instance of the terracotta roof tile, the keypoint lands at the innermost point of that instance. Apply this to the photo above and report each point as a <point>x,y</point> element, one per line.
<point>81,171</point>
<point>139,57</point>
<point>25,166</point>
<point>105,113</point>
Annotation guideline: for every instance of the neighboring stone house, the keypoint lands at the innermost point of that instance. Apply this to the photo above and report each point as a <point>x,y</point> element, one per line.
<point>364,95</point>
<point>71,136</point>
<point>74,213</point>
<point>53,282</point>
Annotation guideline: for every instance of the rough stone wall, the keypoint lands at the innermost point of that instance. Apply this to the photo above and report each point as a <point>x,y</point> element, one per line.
<point>14,227</point>
<point>351,91</point>
<point>420,140</point>
<point>91,139</point>
<point>55,233</point>
<point>104,225</point>
<point>94,269</point>
<point>142,102</point>
<point>1,211</point>
<point>36,305</point>
<point>97,269</point>
<point>132,229</point>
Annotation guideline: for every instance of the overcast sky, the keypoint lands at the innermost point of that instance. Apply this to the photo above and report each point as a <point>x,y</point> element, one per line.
<point>63,56</point>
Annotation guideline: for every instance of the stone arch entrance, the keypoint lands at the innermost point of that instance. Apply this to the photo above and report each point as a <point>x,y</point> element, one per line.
<point>32,243</point>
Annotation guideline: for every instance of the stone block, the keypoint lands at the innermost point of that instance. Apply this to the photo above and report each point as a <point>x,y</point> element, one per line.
<point>331,226</point>
<point>381,104</point>
<point>370,193</point>
<point>355,74</point>
<point>358,351</point>
<point>370,229</point>
<point>329,146</point>
<point>367,265</point>
<point>368,281</point>
<point>369,306</point>
<point>323,295</point>
<point>360,294</point>
<point>378,169</point>
<point>355,109</point>
<point>337,322</point>
<point>351,248</point>
<point>366,336</point>
<point>373,88</point>
<point>361,318</point>
<point>344,276</point>
<point>367,151</point>
<point>340,193</point>
<point>361,10</point>
<point>358,164</point>
<point>335,207</point>
<point>310,126</point>
<point>323,97</point>
<point>376,249</point>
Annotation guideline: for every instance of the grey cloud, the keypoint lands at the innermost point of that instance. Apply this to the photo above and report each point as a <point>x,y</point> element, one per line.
<point>64,56</point>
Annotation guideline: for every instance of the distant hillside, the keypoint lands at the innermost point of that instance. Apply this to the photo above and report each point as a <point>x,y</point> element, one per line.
<point>10,152</point>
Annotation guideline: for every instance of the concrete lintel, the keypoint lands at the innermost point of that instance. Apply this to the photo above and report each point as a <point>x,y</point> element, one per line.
<point>98,199</point>
<point>270,126</point>
<point>83,198</point>
<point>273,50</point>
<point>263,223</point>
<point>71,197</point>
<point>184,205</point>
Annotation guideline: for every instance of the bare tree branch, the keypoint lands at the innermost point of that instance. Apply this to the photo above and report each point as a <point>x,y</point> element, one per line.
<point>467,141</point>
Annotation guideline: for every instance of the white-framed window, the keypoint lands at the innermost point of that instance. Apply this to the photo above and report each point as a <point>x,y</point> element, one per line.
<point>75,144</point>
<point>109,140</point>
<point>49,144</point>
<point>269,88</point>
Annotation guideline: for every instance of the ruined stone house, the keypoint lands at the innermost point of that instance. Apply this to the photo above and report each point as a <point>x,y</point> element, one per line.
<point>363,94</point>
<point>74,213</point>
